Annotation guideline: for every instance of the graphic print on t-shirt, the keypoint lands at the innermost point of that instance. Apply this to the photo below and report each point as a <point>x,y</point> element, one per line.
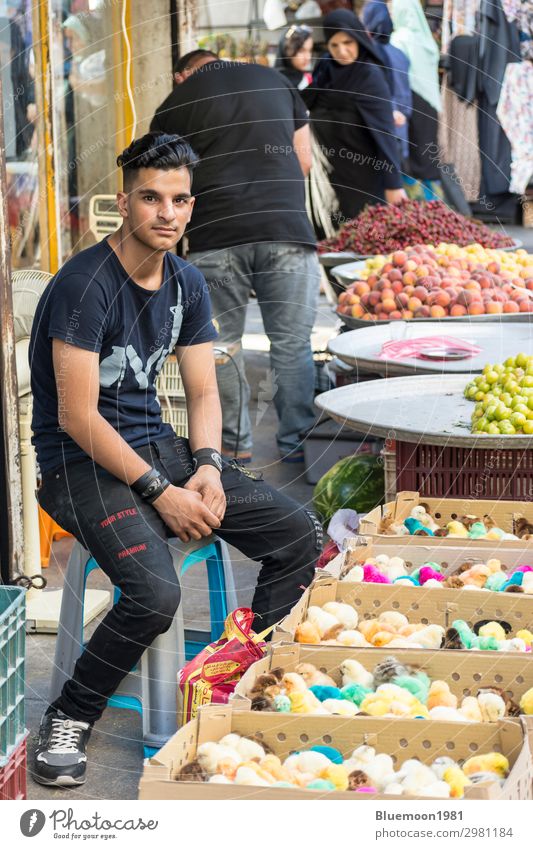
<point>113,368</point>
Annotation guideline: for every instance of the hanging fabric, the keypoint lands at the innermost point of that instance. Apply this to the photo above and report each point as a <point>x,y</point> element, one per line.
<point>458,141</point>
<point>515,113</point>
<point>458,18</point>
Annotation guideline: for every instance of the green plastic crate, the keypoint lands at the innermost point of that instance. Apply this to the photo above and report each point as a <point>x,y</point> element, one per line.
<point>12,654</point>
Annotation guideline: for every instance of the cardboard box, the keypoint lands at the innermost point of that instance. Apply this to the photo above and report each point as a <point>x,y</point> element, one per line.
<point>359,549</point>
<point>444,510</point>
<point>439,606</point>
<point>464,671</point>
<point>402,739</point>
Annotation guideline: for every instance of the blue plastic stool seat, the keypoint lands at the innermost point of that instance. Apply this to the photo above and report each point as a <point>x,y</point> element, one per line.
<point>151,687</point>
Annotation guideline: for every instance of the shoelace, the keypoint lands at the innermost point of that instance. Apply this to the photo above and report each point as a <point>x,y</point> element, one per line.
<point>65,736</point>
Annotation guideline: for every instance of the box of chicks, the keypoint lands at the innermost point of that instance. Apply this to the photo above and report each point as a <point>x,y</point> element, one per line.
<point>450,686</point>
<point>411,518</point>
<point>226,753</point>
<point>363,610</point>
<point>432,567</point>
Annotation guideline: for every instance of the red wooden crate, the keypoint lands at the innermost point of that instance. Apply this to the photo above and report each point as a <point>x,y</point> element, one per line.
<point>447,471</point>
<point>13,775</point>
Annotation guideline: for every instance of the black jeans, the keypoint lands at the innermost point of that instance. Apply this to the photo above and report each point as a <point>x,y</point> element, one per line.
<point>128,540</point>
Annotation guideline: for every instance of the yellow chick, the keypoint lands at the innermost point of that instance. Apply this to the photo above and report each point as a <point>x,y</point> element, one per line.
<point>263,774</point>
<point>353,672</point>
<point>492,629</point>
<point>476,576</point>
<point>227,767</point>
<point>457,529</point>
<point>400,709</point>
<point>352,638</point>
<point>313,676</point>
<point>273,766</point>
<point>419,710</point>
<point>440,695</point>
<point>396,693</point>
<point>337,774</point>
<point>491,762</point>
<point>311,763</point>
<point>344,613</point>
<point>292,682</point>
<point>495,534</point>
<point>429,637</point>
<point>455,777</point>
<point>302,702</point>
<point>525,635</point>
<point>340,707</point>
<point>375,705</point>
<point>248,777</point>
<point>307,633</point>
<point>408,630</point>
<point>494,565</point>
<point>322,620</point>
<point>526,702</point>
<point>492,707</point>
<point>394,619</point>
<point>370,627</point>
<point>382,638</point>
<point>210,754</point>
<point>470,709</point>
<point>355,575</point>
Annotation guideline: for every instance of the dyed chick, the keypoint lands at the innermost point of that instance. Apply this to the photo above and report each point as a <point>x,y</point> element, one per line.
<point>313,676</point>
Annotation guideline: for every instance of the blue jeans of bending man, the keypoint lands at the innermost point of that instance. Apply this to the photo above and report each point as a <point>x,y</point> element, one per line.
<point>286,280</point>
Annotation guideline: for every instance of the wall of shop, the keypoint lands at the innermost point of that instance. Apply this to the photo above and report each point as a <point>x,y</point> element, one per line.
<point>152,62</point>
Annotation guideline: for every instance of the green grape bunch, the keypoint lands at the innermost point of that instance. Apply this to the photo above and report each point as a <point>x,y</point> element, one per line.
<point>503,395</point>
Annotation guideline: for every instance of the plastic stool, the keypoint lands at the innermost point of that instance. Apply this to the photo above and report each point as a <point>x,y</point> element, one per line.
<point>150,688</point>
<point>48,532</point>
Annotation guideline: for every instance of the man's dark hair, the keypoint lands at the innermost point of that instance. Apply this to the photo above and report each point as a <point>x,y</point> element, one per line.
<point>189,59</point>
<point>156,150</point>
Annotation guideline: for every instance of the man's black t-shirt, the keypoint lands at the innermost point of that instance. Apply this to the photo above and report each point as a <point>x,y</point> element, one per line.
<point>93,304</point>
<point>240,119</point>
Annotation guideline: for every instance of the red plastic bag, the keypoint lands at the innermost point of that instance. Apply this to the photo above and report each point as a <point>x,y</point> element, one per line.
<point>213,674</point>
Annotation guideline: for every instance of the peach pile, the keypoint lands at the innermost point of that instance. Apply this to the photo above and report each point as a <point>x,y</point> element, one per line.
<point>421,283</point>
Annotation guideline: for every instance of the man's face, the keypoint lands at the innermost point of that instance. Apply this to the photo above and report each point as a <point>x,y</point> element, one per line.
<point>157,206</point>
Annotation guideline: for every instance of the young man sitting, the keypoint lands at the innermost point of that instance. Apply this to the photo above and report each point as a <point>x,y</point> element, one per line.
<point>116,476</point>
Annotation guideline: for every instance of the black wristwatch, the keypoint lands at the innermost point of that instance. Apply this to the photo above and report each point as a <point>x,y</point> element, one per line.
<point>150,485</point>
<point>207,457</point>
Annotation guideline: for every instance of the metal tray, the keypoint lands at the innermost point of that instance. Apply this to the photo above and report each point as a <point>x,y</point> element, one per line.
<point>348,273</point>
<point>430,410</point>
<point>360,349</point>
<point>517,244</point>
<point>331,259</point>
<point>357,323</point>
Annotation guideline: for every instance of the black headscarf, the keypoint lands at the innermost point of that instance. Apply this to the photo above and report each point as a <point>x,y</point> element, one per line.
<point>342,20</point>
<point>364,82</point>
<point>289,44</point>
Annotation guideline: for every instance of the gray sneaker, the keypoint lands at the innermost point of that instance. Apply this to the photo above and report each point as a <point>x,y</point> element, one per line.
<point>60,757</point>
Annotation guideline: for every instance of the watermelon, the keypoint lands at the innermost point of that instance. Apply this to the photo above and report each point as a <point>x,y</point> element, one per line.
<point>356,482</point>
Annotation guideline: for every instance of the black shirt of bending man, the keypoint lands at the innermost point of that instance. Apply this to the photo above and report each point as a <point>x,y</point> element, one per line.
<point>249,187</point>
